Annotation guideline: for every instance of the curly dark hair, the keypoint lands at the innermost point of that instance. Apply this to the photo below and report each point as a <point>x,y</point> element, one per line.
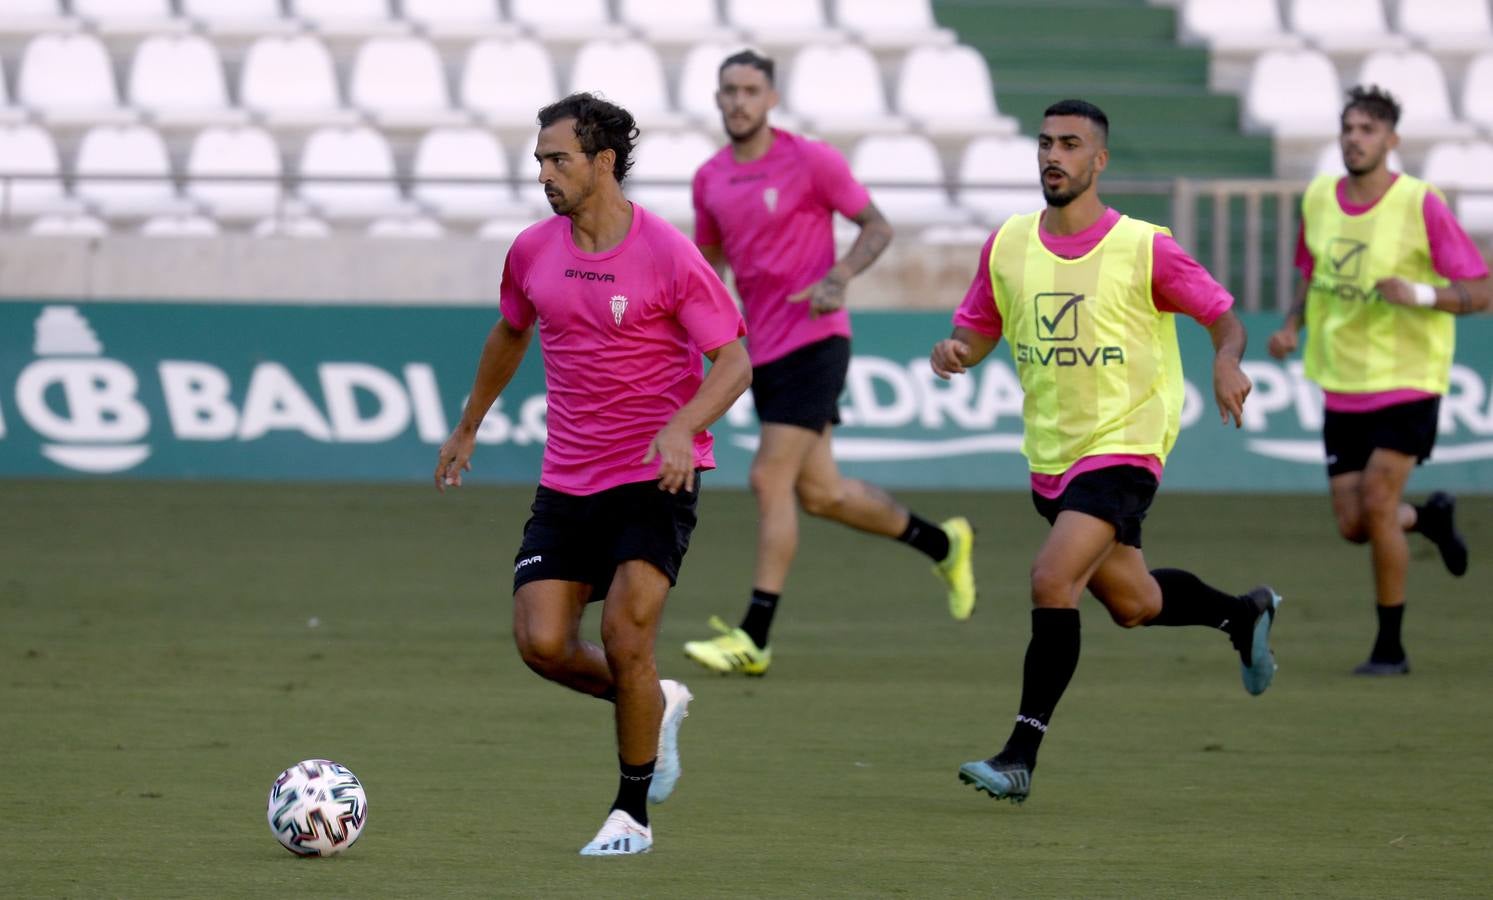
<point>1374,102</point>
<point>599,125</point>
<point>750,58</point>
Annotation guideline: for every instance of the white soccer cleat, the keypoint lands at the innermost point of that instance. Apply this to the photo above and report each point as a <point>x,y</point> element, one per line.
<point>620,835</point>
<point>666,770</point>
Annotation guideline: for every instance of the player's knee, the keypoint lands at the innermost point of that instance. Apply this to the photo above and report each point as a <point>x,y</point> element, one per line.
<point>820,499</point>
<point>1381,503</point>
<point>1351,528</point>
<point>1130,615</point>
<point>1050,587</point>
<point>544,653</point>
<point>768,481</point>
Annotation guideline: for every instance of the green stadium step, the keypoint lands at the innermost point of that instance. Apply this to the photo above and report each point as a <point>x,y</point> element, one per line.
<point>978,22</point>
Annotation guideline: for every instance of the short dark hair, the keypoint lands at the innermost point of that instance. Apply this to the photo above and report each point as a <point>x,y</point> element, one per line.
<point>599,125</point>
<point>1083,109</point>
<point>1374,102</point>
<point>748,58</point>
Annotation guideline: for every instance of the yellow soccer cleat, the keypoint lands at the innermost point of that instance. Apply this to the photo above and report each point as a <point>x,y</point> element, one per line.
<point>958,568</point>
<point>730,653</point>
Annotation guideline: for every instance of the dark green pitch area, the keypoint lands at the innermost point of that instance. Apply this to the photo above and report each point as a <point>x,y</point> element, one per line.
<point>158,668</point>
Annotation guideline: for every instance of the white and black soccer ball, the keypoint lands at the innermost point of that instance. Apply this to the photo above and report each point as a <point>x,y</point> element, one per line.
<point>317,808</point>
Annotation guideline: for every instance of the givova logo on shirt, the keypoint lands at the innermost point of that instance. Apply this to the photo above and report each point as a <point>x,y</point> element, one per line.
<point>1056,315</point>
<point>1345,257</point>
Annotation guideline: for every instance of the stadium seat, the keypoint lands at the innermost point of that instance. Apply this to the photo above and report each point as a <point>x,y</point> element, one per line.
<point>998,178</point>
<point>8,114</point>
<point>1293,94</point>
<point>30,150</point>
<point>502,230</point>
<point>290,81</point>
<point>664,168</point>
<point>128,17</point>
<point>1344,28</point>
<point>349,19</point>
<point>1467,169</point>
<point>132,150</point>
<point>450,153</point>
<point>1329,161</point>
<point>571,23</point>
<point>630,74</point>
<point>238,18</point>
<point>675,24</point>
<point>506,82</point>
<point>68,79</point>
<point>947,91</point>
<point>32,17</point>
<point>68,225</point>
<point>781,24</point>
<point>837,87</point>
<point>882,25</point>
<point>293,227</point>
<point>911,190</point>
<point>179,226</point>
<point>400,81</point>
<point>1235,32</point>
<point>1447,26</point>
<point>1477,92</point>
<point>179,81</point>
<point>235,153</point>
<point>406,227</point>
<point>459,20</point>
<point>1418,83</point>
<point>346,153</point>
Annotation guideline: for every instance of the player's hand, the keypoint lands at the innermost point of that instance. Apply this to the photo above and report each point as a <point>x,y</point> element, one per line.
<point>825,295</point>
<point>1230,387</point>
<point>1283,343</point>
<point>454,458</point>
<point>674,448</point>
<point>948,358</point>
<point>1397,291</point>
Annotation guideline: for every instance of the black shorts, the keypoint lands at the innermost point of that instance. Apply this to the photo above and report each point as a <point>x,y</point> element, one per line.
<point>803,388</point>
<point>1120,495</point>
<point>1350,438</point>
<point>584,539</point>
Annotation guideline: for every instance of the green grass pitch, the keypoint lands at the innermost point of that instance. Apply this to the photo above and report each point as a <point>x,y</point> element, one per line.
<point>157,669</point>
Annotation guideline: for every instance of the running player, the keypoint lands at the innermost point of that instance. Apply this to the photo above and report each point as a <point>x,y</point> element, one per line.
<point>1085,297</point>
<point>1385,267</point>
<point>625,306</point>
<point>765,205</point>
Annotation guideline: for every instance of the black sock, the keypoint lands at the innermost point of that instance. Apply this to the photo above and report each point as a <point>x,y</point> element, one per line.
<point>1387,646</point>
<point>1051,658</point>
<point>1187,600</point>
<point>758,619</point>
<point>925,536</point>
<point>632,790</point>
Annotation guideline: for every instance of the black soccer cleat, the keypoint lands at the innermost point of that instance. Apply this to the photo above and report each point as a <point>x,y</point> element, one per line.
<point>1374,668</point>
<point>1437,521</point>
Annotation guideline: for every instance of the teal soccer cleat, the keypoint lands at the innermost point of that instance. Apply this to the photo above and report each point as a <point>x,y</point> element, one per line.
<point>1256,662</point>
<point>1001,780</point>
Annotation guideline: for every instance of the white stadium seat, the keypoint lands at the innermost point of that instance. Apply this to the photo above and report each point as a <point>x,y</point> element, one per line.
<point>998,178</point>
<point>459,20</point>
<point>450,153</point>
<point>179,226</point>
<point>8,114</point>
<point>1294,94</point>
<point>406,227</point>
<point>69,79</point>
<point>1466,168</point>
<point>677,23</point>
<point>353,19</point>
<point>628,73</point>
<point>128,17</point>
<point>780,23</point>
<point>1235,32</point>
<point>879,24</point>
<point>238,17</point>
<point>69,225</point>
<point>508,81</point>
<point>179,80</point>
<point>293,227</point>
<point>662,157</point>
<point>572,22</point>
<point>838,88</point>
<point>401,81</point>
<point>947,90</point>
<point>132,150</point>
<point>349,152</point>
<point>290,80</point>
<point>1344,26</point>
<point>29,150</point>
<point>1477,92</point>
<point>1417,82</point>
<point>1330,161</point>
<point>919,198</point>
<point>235,153</point>
<point>1444,26</point>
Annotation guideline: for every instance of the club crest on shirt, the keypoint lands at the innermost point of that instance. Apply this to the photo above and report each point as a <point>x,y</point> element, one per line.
<point>770,199</point>
<point>619,306</point>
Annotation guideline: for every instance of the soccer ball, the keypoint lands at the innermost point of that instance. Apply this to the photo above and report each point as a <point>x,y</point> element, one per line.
<point>317,808</point>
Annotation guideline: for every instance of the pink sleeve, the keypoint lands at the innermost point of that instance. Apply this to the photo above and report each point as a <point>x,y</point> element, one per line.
<point>978,311</point>
<point>515,305</point>
<point>1180,285</point>
<point>705,309</point>
<point>832,179</point>
<point>1304,262</point>
<point>707,230</point>
<point>1453,254</point>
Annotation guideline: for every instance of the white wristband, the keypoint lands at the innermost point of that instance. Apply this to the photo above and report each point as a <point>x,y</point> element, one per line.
<point>1425,295</point>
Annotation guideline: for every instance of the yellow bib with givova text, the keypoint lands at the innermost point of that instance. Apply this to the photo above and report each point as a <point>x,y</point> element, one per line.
<point>1099,364</point>
<point>1356,341</point>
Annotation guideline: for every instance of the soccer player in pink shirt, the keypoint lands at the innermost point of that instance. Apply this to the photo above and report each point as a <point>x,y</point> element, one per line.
<point>765,205</point>
<point>1385,269</point>
<point>1087,299</point>
<point>625,306</point>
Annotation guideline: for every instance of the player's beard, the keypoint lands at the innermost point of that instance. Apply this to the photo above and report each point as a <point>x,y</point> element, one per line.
<point>565,204</point>
<point>1368,162</point>
<point>751,130</point>
<point>1076,186</point>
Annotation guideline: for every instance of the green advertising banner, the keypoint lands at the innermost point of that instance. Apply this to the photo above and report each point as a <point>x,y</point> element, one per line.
<point>157,390</point>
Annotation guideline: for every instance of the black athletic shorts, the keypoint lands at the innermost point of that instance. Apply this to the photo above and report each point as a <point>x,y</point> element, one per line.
<point>803,388</point>
<point>584,539</point>
<point>1120,495</point>
<point>1349,438</point>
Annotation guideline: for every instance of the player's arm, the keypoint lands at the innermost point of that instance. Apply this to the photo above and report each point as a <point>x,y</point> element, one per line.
<point>716,256</point>
<point>960,351</point>
<point>1230,384</point>
<point>674,446</point>
<point>501,354</point>
<point>1286,339</point>
<point>1458,298</point>
<point>828,294</point>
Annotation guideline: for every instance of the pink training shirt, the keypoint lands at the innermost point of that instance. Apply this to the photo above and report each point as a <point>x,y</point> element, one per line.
<point>1453,255</point>
<point>622,333</point>
<point>1178,285</point>
<point>773,217</point>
